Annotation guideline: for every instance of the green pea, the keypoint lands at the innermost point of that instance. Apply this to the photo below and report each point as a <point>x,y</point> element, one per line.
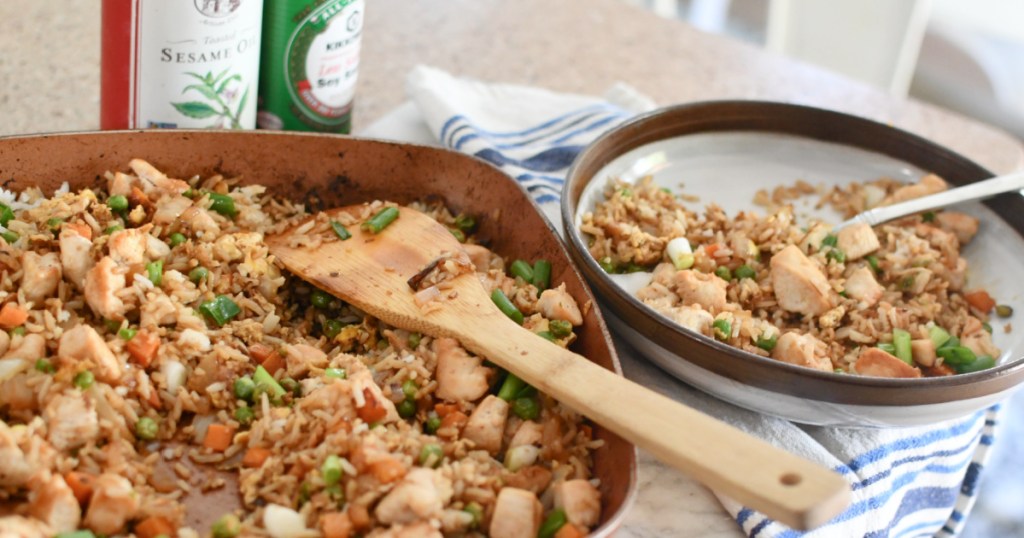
<point>244,415</point>
<point>407,409</point>
<point>198,274</point>
<point>146,429</point>
<point>177,239</point>
<point>45,366</point>
<point>84,379</point>
<point>431,455</point>
<point>410,388</point>
<point>745,271</point>
<point>335,373</point>
<point>433,423</point>
<point>414,340</point>
<point>320,299</point>
<point>244,388</point>
<point>331,470</point>
<point>560,328</point>
<point>117,202</point>
<point>723,272</point>
<point>228,526</point>
<point>127,334</point>
<point>332,328</point>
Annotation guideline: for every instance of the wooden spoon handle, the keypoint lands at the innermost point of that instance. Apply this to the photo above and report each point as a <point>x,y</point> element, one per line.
<point>786,487</point>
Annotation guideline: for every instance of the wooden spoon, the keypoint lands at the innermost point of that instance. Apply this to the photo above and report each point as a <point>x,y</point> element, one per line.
<point>372,271</point>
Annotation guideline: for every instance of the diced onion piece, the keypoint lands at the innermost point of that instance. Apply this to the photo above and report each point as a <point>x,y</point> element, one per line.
<point>521,456</point>
<point>427,295</point>
<point>174,374</point>
<point>873,196</point>
<point>283,522</point>
<point>12,367</point>
<point>680,252</point>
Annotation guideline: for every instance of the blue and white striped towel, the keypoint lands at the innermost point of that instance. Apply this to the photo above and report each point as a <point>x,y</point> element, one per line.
<point>906,482</point>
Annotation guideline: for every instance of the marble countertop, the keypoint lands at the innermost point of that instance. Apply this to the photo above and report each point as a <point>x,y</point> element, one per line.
<point>49,81</point>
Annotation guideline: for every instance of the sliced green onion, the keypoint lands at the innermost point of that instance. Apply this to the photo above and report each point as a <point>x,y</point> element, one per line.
<point>723,272</point>
<point>18,331</point>
<point>177,239</point>
<point>331,470</point>
<point>117,202</point>
<point>381,220</point>
<point>830,240</point>
<point>555,521</point>
<point>607,265</point>
<point>54,223</point>
<point>244,415</point>
<point>263,377</point>
<point>9,236</point>
<point>745,271</point>
<point>431,455</point>
<point>6,215</point>
<point>542,274</point>
<point>505,305</point>
<point>221,309</point>
<point>155,272</point>
<point>76,534</point>
<point>952,342</point>
<point>547,336</point>
<point>406,409</point>
<point>901,345</point>
<point>680,253</point>
<point>722,329</point>
<point>767,344</point>
<point>476,512</point>
<point>987,326</point>
<point>522,269</point>
<point>84,379</point>
<point>928,216</point>
<point>560,328</point>
<point>45,366</point>
<point>127,333</point>
<point>938,336</point>
<point>340,230</point>
<point>320,299</point>
<point>983,362</point>
<point>887,347</point>
<point>956,355</point>
<point>837,255</point>
<point>511,387</point>
<point>526,408</point>
<point>244,388</point>
<point>458,235</point>
<point>223,204</point>
<point>336,373</point>
<point>146,429</point>
<point>113,228</point>
<point>198,274</point>
<point>873,262</point>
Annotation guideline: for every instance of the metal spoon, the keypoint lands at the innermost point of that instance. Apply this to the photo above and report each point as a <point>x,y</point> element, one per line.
<point>967,193</point>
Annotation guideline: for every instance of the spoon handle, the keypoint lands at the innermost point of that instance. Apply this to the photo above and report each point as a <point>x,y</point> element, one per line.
<point>784,486</point>
<point>967,193</point>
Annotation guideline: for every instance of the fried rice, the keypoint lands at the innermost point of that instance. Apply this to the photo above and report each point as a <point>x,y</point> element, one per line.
<point>156,360</point>
<point>889,301</point>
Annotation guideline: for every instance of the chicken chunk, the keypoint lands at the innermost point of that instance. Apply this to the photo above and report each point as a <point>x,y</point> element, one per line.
<point>875,362</point>
<point>696,288</point>
<point>200,222</point>
<point>30,347</point>
<point>802,350</point>
<point>71,421</point>
<point>580,500</point>
<point>155,181</point>
<point>75,256</point>
<point>128,247</point>
<point>421,495</point>
<point>420,529</point>
<point>52,502</point>
<point>334,396</point>
<point>962,225</point>
<point>857,240</point>
<point>694,318</point>
<point>929,184</point>
<point>83,343</point>
<point>102,284</point>
<point>923,351</point>
<point>978,340</point>
<point>517,514</point>
<point>480,256</point>
<point>862,286</point>
<point>41,274</point>
<point>15,467</point>
<point>113,503</point>
<point>169,209</point>
<point>300,357</point>
<point>556,303</point>
<point>157,310</point>
<point>528,433</point>
<point>460,376</point>
<point>486,425</point>
<point>13,526</point>
<point>799,284</point>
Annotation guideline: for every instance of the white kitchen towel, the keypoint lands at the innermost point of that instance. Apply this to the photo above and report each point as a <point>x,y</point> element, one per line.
<point>917,481</point>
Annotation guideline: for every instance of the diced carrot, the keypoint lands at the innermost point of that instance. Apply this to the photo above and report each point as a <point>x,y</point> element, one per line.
<point>979,299</point>
<point>569,531</point>
<point>452,424</point>
<point>373,410</point>
<point>359,516</point>
<point>387,470</point>
<point>255,457</point>
<point>218,437</point>
<point>711,249</point>
<point>298,470</point>
<point>80,484</point>
<point>154,526</point>
<point>273,363</point>
<point>12,315</point>
<point>443,409</point>
<point>154,399</point>
<point>80,228</point>
<point>259,352</point>
<point>336,525</point>
<point>143,347</point>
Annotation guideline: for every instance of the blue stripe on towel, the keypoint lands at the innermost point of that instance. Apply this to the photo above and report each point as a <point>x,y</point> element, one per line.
<point>445,136</point>
<point>548,160</point>
<point>905,443</point>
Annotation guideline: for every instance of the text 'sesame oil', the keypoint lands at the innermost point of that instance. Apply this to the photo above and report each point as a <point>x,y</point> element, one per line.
<point>310,64</point>
<point>181,63</point>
